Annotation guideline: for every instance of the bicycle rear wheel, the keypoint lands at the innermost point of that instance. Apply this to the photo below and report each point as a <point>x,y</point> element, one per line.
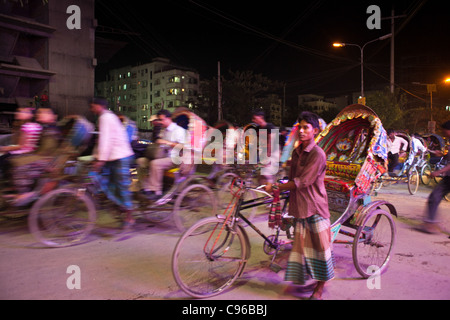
<point>62,217</point>
<point>209,257</point>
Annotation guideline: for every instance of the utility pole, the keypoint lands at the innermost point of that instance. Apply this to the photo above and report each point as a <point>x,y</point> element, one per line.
<point>392,17</point>
<point>219,93</point>
<point>284,103</point>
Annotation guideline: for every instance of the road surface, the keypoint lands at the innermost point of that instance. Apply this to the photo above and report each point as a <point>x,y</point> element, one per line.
<point>136,265</point>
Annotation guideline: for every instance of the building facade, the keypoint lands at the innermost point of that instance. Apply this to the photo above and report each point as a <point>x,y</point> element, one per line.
<point>45,46</point>
<point>141,91</point>
<point>317,103</point>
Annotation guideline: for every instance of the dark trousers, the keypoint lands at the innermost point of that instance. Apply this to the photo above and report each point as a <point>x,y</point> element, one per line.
<point>393,161</point>
<point>435,198</point>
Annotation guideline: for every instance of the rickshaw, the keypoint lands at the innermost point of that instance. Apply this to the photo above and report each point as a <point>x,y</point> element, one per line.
<point>212,254</point>
<point>433,142</point>
<point>38,172</point>
<point>406,170</point>
<point>67,215</point>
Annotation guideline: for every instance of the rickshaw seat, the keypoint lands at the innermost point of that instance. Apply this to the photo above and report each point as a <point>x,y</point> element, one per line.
<point>340,176</point>
<point>171,172</point>
<point>340,183</point>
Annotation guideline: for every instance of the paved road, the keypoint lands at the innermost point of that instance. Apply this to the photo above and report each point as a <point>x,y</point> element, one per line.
<point>137,265</point>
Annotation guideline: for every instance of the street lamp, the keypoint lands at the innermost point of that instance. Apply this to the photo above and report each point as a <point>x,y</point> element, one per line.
<point>432,87</point>
<point>341,44</point>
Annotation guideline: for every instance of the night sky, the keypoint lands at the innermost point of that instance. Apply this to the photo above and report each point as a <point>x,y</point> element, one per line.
<point>289,41</point>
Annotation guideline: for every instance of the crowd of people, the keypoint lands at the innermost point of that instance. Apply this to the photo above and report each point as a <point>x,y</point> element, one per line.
<point>114,155</point>
<point>398,148</point>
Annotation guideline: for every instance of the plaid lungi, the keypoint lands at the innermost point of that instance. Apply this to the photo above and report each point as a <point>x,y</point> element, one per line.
<point>311,252</point>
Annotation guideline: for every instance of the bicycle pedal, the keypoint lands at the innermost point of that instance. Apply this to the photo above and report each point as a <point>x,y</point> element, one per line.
<point>275,267</point>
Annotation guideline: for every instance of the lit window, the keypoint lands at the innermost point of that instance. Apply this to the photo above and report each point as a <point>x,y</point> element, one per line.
<point>175,79</point>
<point>124,87</point>
<point>173,91</point>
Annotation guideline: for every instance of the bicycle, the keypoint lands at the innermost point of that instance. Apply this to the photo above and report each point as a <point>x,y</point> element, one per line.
<point>408,173</point>
<point>212,254</point>
<point>67,215</point>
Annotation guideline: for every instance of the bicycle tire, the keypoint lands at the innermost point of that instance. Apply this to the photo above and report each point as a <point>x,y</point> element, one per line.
<point>62,217</point>
<point>373,243</point>
<point>202,272</point>
<point>413,181</point>
<point>437,179</point>
<point>194,203</point>
<point>425,174</point>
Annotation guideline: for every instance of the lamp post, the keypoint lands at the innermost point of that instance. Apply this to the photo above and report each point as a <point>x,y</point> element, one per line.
<point>361,48</point>
<point>432,87</point>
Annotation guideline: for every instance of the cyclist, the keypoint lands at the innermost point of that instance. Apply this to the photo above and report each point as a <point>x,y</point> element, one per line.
<point>114,156</point>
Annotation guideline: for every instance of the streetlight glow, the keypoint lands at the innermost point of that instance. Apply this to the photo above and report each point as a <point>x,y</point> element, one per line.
<point>361,48</point>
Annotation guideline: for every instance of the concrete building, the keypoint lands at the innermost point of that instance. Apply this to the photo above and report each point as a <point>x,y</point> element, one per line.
<point>47,46</point>
<point>141,91</point>
<point>317,103</point>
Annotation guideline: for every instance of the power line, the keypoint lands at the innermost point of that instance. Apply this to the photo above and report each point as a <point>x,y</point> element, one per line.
<point>264,34</point>
<point>131,38</point>
<point>297,21</point>
<point>397,85</point>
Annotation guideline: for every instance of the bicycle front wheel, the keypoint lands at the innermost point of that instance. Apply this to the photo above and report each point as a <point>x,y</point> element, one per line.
<point>209,257</point>
<point>62,217</point>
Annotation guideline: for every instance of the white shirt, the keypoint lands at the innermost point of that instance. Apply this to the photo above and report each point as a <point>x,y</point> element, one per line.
<point>417,145</point>
<point>394,146</point>
<point>113,143</point>
<point>175,133</point>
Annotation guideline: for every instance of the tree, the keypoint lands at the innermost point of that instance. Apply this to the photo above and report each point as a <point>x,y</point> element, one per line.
<point>242,92</point>
<point>390,107</point>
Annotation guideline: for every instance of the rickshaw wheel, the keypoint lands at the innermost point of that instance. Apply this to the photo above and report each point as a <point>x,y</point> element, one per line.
<point>437,179</point>
<point>413,181</point>
<point>425,174</point>
<point>194,203</point>
<point>62,217</point>
<point>373,243</point>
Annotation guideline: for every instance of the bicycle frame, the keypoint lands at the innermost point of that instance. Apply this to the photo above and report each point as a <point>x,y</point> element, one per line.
<point>241,204</point>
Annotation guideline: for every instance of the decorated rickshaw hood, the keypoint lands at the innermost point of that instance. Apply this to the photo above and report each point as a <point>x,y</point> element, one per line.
<point>378,143</point>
